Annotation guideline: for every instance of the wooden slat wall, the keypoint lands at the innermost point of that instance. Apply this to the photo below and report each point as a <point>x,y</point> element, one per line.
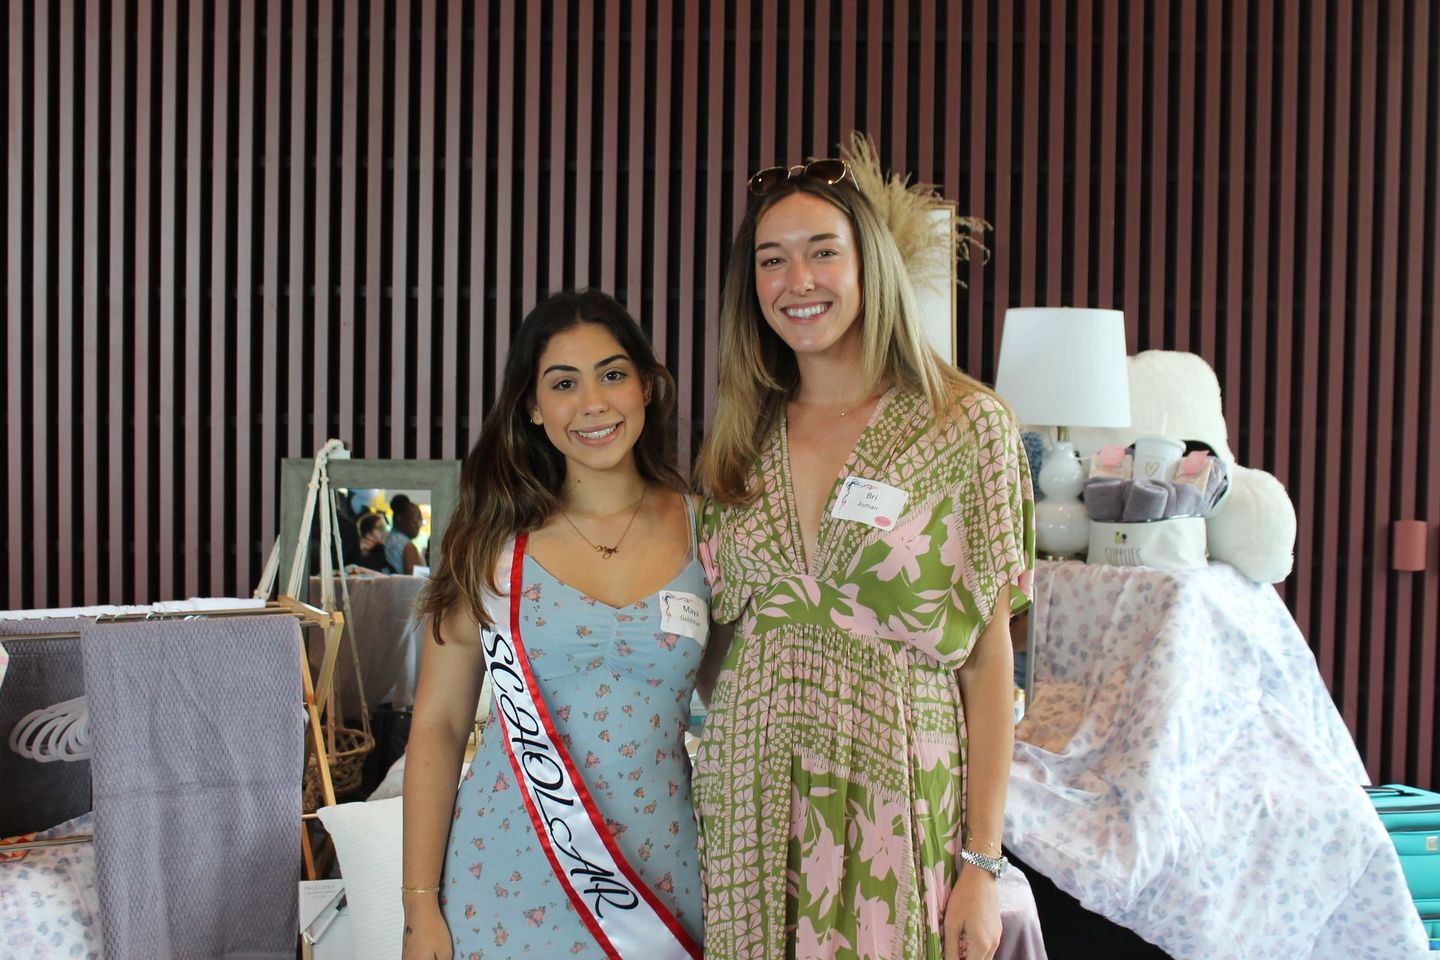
<point>235,229</point>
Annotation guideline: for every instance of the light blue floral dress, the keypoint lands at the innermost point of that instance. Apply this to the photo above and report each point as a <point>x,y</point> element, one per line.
<point>618,688</point>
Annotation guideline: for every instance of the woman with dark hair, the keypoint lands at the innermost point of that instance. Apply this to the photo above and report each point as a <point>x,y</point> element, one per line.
<point>570,573</point>
<point>870,538</point>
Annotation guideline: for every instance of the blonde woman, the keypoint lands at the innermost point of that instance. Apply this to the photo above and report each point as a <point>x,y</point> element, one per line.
<point>869,536</point>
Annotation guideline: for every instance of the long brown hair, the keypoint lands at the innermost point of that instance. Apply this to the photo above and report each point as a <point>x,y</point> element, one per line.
<point>511,478</point>
<point>758,372</point>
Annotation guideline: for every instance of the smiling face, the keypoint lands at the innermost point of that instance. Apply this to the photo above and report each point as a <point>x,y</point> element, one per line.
<point>590,399</point>
<point>807,276</point>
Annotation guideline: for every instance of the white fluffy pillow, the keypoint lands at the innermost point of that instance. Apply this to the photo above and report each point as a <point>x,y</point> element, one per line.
<point>368,843</point>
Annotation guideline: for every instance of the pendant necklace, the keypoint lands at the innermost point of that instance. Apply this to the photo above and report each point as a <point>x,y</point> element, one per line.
<point>606,552</point>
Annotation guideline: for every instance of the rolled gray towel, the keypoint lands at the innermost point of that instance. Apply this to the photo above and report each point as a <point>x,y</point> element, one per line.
<point>1105,498</point>
<point>1189,501</point>
<point>1145,501</point>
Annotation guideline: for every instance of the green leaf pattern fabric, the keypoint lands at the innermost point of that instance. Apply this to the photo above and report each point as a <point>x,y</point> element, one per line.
<point>830,780</point>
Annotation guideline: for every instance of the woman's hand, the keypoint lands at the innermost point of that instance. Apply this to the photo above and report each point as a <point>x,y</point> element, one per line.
<point>427,935</point>
<point>972,916</point>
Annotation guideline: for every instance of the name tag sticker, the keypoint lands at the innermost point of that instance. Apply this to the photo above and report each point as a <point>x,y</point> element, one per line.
<point>870,502</point>
<point>685,614</point>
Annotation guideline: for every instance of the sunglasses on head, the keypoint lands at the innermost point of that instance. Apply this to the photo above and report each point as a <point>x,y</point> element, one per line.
<point>829,171</point>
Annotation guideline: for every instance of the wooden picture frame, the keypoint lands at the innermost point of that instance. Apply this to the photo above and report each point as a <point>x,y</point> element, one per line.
<point>440,477</point>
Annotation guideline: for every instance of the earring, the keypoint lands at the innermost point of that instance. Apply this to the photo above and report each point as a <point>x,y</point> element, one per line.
<point>536,419</point>
<point>645,398</point>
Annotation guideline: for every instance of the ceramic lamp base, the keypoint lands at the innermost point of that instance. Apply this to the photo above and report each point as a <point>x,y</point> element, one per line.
<point>1062,527</point>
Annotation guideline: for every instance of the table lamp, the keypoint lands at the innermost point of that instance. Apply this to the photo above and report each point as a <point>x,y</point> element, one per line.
<point>1064,367</point>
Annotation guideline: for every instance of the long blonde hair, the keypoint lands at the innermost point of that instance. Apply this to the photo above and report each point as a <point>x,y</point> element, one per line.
<point>758,372</point>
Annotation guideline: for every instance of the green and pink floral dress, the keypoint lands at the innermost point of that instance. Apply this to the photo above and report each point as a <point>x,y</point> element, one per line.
<point>830,782</point>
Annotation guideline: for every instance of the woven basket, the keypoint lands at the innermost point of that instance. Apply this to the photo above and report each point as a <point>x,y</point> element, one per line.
<point>347,763</point>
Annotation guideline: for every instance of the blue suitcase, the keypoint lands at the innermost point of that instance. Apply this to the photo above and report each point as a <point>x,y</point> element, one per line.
<point>1412,816</point>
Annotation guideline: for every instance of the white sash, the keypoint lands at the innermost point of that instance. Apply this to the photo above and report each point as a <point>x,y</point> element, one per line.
<point>620,911</point>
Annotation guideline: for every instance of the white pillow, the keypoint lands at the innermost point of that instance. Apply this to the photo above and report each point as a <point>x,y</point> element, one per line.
<point>368,843</point>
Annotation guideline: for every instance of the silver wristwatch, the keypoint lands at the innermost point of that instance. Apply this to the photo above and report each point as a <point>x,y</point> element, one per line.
<point>995,866</point>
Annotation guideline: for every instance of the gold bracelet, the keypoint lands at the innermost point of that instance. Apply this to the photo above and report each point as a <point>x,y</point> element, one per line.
<point>405,889</point>
<point>986,843</point>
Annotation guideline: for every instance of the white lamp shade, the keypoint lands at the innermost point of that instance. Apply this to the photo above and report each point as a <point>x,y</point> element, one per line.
<point>1064,366</point>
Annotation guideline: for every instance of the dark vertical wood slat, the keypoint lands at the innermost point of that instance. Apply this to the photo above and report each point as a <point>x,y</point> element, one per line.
<point>1363,612</point>
<point>219,300</point>
<point>739,134</point>
<point>40,296</point>
<point>1055,251</point>
<point>924,164</point>
<point>424,237</point>
<point>765,71</point>
<point>1235,342</point>
<point>1417,421</point>
<point>1028,295</point>
<point>560,109</point>
<point>374,226</point>
<point>899,86</point>
<point>244,286</point>
<point>169,285</point>
<point>849,78</point>
<point>1389,706</point>
<point>530,176</point>
<point>294,393</point>
<point>1283,321</point>
<point>1109,94</point>
<point>635,192</point>
<point>952,55</point>
<point>505,187</point>
<point>120,558</point>
<point>349,280</point>
<point>90,419</point>
<point>194,302</point>
<point>874,76</point>
<point>65,312</point>
<point>663,213</point>
<point>15,431</point>
<point>1003,164</point>
<point>1337,226</point>
<point>1162,240</point>
<point>1257,349</point>
<point>797,90</point>
<point>610,133</point>
<point>823,141</point>
<point>1183,229</point>
<point>270,285</point>
<point>321,340</point>
<point>1203,341</point>
<point>140,441</point>
<point>687,265</point>
<point>452,443</point>
<point>978,57</point>
<point>1135,138</point>
<point>400,236</point>
<point>717,188</point>
<point>584,150</point>
<point>479,194</point>
<point>1317,632</point>
<point>1084,102</point>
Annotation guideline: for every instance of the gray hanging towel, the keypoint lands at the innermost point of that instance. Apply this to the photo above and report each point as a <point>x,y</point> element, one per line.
<point>197,734</point>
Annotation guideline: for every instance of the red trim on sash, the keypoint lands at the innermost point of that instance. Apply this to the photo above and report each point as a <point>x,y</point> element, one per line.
<point>582,792</point>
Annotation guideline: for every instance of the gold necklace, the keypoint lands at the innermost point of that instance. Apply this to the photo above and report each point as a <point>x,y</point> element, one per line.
<point>607,552</point>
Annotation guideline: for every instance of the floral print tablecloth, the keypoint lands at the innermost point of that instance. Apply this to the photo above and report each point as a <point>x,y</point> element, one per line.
<point>1183,771</point>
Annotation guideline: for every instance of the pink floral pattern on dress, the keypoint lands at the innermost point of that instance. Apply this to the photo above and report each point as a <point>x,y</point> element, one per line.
<point>588,659</point>
<point>830,778</point>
